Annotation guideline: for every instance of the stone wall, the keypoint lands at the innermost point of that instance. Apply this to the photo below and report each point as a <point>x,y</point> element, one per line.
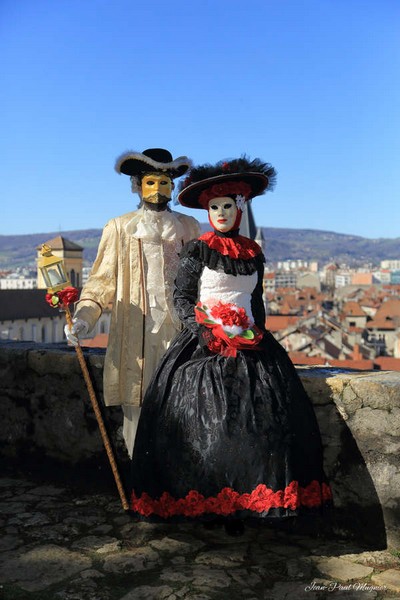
<point>359,418</point>
<point>46,417</point>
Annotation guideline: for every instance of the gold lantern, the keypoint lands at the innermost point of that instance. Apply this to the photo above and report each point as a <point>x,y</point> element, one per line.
<point>53,270</point>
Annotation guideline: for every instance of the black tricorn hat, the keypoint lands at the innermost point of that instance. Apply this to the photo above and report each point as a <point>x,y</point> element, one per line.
<point>137,164</point>
<point>242,177</point>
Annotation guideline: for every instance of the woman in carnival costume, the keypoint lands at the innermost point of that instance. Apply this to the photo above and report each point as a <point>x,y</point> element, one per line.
<point>227,430</point>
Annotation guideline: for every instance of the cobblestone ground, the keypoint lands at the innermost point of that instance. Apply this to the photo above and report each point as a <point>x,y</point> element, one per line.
<point>62,544</point>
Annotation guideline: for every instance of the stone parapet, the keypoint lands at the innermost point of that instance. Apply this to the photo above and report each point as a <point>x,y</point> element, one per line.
<point>46,415</point>
<point>359,417</point>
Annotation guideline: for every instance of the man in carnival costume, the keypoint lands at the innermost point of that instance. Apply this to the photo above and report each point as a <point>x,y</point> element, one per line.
<point>135,268</point>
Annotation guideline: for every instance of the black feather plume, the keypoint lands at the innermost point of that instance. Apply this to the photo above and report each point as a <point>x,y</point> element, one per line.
<point>226,167</point>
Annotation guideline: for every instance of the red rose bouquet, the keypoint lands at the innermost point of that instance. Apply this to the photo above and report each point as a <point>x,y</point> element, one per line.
<point>63,298</point>
<point>231,327</point>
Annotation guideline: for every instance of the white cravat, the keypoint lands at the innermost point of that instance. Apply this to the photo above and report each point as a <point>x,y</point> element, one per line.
<point>161,233</point>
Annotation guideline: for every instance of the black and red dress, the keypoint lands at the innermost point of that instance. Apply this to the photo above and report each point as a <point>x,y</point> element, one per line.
<point>226,428</point>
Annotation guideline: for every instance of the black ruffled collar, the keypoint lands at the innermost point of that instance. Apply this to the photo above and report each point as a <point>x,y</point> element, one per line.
<point>213,259</point>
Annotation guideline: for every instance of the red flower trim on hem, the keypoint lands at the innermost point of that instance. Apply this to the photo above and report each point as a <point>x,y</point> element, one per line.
<point>227,502</point>
<point>238,247</point>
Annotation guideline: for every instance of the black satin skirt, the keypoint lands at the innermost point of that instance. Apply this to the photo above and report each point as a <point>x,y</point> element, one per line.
<point>230,437</point>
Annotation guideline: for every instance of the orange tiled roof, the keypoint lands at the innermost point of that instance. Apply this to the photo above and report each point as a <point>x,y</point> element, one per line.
<point>390,308</point>
<point>369,303</point>
<point>380,324</point>
<point>285,307</point>
<point>361,365</point>
<point>299,358</point>
<point>99,341</point>
<point>280,322</point>
<point>61,243</point>
<point>388,363</point>
<point>353,308</point>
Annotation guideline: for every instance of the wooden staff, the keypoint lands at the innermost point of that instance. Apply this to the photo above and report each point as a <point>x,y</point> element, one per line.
<point>99,417</point>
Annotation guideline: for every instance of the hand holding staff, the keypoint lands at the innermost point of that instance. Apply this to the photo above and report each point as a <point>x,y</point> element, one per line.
<point>60,295</point>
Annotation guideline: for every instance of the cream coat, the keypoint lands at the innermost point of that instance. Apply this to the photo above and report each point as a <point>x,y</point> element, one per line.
<point>119,276</point>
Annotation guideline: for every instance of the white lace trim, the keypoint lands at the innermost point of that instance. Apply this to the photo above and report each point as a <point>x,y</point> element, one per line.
<point>216,286</point>
<point>153,226</point>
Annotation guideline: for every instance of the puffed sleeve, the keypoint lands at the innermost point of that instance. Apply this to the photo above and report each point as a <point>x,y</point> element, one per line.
<point>191,227</point>
<point>186,290</point>
<point>99,289</point>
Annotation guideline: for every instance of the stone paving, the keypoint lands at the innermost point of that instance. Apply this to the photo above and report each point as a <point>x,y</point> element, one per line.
<point>60,543</point>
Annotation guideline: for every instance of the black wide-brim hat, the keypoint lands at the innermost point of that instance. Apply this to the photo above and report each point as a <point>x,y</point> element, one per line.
<point>136,164</point>
<point>189,196</point>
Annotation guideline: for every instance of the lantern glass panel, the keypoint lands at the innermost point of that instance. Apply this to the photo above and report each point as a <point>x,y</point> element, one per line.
<point>55,275</point>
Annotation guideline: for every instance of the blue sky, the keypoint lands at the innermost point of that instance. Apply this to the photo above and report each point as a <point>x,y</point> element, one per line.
<point>311,86</point>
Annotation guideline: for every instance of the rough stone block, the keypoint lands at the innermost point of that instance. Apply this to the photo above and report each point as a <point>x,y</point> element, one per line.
<point>42,567</point>
<point>339,569</point>
<point>389,579</point>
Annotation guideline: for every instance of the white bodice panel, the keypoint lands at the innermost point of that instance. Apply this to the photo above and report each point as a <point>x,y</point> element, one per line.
<point>215,286</point>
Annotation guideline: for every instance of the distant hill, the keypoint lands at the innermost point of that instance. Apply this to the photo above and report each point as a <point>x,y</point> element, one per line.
<point>280,244</point>
<point>326,246</point>
<point>21,250</point>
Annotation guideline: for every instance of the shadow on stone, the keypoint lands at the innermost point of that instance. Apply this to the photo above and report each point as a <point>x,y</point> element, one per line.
<point>357,513</point>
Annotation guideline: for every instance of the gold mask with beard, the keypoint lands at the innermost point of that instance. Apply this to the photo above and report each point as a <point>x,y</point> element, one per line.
<point>156,188</point>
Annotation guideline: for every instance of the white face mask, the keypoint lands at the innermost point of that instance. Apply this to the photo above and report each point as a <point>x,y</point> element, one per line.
<point>222,213</point>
